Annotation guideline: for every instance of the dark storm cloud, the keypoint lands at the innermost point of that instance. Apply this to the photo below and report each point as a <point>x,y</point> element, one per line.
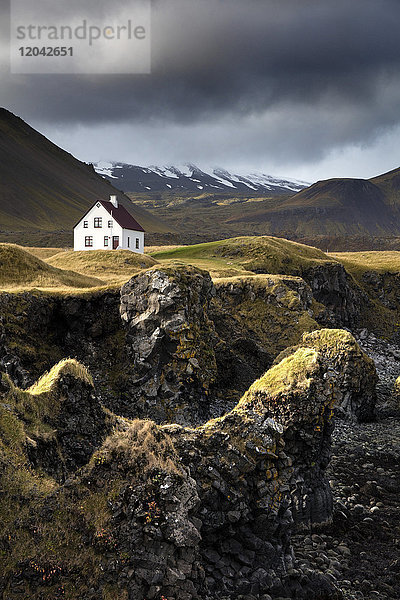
<point>213,56</point>
<point>233,59</point>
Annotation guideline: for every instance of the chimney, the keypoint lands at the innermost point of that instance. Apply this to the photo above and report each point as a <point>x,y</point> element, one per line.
<point>114,201</point>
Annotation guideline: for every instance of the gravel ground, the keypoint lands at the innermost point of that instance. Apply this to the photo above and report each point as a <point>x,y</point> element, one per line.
<point>360,549</point>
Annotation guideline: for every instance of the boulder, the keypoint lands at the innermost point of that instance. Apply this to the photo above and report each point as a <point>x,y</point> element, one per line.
<point>63,418</point>
<point>171,342</point>
<point>353,371</point>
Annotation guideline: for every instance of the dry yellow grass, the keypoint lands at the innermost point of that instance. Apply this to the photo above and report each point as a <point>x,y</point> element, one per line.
<point>44,253</point>
<point>111,266</point>
<point>68,366</point>
<point>152,249</point>
<point>20,270</point>
<point>143,446</point>
<point>355,262</point>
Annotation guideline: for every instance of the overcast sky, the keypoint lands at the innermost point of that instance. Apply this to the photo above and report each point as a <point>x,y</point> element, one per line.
<point>301,88</point>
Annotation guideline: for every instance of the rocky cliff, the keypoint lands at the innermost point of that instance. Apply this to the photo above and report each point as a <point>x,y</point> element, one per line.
<point>171,347</point>
<point>171,342</point>
<point>170,511</point>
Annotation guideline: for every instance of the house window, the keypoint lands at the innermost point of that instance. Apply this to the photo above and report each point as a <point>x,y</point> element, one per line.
<point>98,222</point>
<point>110,224</point>
<point>129,242</point>
<point>85,224</point>
<point>89,241</point>
<point>137,243</point>
<point>106,240</point>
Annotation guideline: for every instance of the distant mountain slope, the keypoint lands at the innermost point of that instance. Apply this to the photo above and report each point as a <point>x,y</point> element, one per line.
<point>389,183</point>
<point>43,187</point>
<point>335,207</point>
<point>189,178</point>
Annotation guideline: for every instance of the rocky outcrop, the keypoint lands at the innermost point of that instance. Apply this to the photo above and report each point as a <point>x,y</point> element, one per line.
<point>184,350</point>
<point>64,420</point>
<point>176,512</point>
<point>171,342</point>
<point>256,317</point>
<point>9,362</point>
<point>353,370</point>
<point>385,287</point>
<point>333,287</point>
<point>257,471</point>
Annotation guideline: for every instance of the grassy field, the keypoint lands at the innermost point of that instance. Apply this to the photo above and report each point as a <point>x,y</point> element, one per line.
<point>65,270</point>
<point>111,266</point>
<point>154,249</point>
<point>44,253</point>
<point>360,262</point>
<point>20,270</point>
<point>246,255</point>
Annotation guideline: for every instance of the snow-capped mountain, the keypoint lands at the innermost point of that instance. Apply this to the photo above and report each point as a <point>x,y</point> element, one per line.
<point>133,178</point>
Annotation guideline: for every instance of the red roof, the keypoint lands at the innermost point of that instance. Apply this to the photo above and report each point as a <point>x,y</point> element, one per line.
<point>122,216</point>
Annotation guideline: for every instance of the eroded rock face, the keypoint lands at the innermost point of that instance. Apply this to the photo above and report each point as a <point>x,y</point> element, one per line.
<point>220,525</point>
<point>9,362</point>
<point>333,287</point>
<point>208,512</point>
<point>184,351</point>
<point>258,470</point>
<point>171,341</point>
<point>73,422</point>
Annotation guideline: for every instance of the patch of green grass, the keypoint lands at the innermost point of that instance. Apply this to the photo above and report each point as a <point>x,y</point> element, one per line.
<point>246,255</point>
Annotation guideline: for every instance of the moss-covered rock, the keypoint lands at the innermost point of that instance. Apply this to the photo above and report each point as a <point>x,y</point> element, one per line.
<point>396,392</point>
<point>356,394</point>
<point>186,513</point>
<point>62,419</point>
<point>256,317</point>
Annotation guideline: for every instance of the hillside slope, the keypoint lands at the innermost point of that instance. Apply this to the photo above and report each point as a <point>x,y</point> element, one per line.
<point>336,206</point>
<point>42,187</point>
<point>22,270</point>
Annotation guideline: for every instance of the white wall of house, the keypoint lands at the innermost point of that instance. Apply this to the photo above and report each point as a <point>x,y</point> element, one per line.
<point>131,239</point>
<point>102,237</point>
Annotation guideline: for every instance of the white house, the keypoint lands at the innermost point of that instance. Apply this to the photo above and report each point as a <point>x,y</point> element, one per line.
<point>108,226</point>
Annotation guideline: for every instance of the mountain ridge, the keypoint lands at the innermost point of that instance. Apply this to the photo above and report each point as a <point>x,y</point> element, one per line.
<point>190,177</point>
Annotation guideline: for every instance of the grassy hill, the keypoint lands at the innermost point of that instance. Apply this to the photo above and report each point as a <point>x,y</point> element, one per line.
<point>358,263</point>
<point>245,256</point>
<point>44,188</point>
<point>21,270</point>
<point>113,266</point>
